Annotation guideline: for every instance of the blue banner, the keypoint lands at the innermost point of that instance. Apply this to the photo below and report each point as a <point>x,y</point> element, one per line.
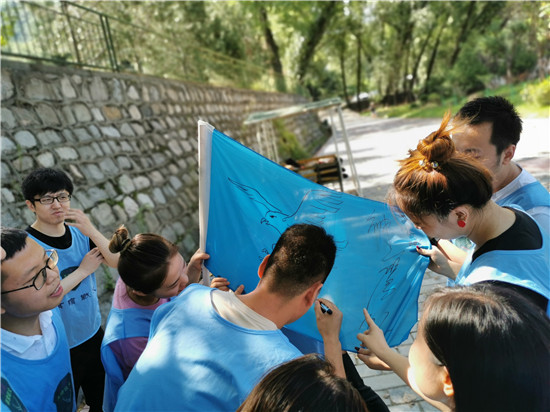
<point>248,201</point>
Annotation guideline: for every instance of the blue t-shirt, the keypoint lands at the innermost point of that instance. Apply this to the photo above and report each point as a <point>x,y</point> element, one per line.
<point>196,360</point>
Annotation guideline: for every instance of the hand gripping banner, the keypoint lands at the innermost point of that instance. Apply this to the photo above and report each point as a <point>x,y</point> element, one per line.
<point>247,201</point>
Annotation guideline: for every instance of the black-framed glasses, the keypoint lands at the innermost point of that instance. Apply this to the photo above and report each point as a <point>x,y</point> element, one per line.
<point>40,279</point>
<point>48,200</point>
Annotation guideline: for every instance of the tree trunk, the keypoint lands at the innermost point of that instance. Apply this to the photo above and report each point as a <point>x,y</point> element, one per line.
<point>342,56</point>
<point>274,48</point>
<point>313,38</point>
<point>463,33</point>
<point>433,56</point>
<point>359,70</point>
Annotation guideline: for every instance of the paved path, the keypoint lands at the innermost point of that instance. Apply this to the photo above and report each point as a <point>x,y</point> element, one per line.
<point>376,145</point>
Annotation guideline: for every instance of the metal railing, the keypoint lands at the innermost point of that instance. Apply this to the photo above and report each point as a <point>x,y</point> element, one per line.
<point>66,33</point>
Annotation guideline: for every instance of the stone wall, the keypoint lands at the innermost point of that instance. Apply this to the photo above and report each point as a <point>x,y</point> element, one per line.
<point>128,142</point>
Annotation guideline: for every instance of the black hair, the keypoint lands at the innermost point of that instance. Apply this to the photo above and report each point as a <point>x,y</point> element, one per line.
<point>306,384</point>
<point>45,180</point>
<point>12,241</point>
<point>507,125</point>
<point>303,255</point>
<point>495,345</point>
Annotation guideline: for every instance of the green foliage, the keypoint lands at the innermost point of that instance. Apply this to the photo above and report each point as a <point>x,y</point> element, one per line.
<point>538,93</point>
<point>288,144</point>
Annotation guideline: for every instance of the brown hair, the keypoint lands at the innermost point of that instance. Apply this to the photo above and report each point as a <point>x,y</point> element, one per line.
<point>144,259</point>
<point>436,178</point>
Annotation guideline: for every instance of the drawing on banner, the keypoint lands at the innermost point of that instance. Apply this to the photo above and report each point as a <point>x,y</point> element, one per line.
<point>385,287</point>
<point>314,208</point>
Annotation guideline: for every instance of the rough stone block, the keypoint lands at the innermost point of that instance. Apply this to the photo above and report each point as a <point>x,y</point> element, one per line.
<point>8,90</point>
<point>93,172</point>
<point>145,201</point>
<point>133,93</point>
<point>124,162</point>
<point>110,131</point>
<point>8,119</point>
<point>126,130</point>
<point>111,113</point>
<point>49,136</point>
<point>141,182</point>
<point>25,139</point>
<point>67,88</point>
<point>86,152</point>
<point>102,213</point>
<point>96,113</point>
<point>23,163</point>
<point>109,166</point>
<point>135,114</point>
<point>159,196</point>
<point>175,147</point>
<point>82,113</point>
<point>7,146</point>
<point>47,115</point>
<point>68,115</point>
<point>99,91</point>
<point>82,134</point>
<point>130,207</point>
<point>120,215</point>
<point>126,185</point>
<point>46,159</point>
<point>36,89</point>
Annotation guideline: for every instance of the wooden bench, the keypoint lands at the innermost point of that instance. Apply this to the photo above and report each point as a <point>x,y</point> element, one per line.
<point>320,169</point>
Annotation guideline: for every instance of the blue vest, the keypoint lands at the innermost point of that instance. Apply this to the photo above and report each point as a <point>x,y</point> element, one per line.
<point>80,307</point>
<point>528,196</point>
<point>43,384</point>
<point>121,324</point>
<point>196,360</point>
<point>527,268</point>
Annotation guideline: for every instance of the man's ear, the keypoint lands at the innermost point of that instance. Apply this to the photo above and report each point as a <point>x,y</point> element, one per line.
<point>508,154</point>
<point>3,310</point>
<point>448,388</point>
<point>312,292</point>
<point>30,205</point>
<point>261,268</point>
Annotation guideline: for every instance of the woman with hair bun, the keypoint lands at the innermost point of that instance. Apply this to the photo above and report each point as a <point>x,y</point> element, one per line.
<point>448,195</point>
<point>151,272</point>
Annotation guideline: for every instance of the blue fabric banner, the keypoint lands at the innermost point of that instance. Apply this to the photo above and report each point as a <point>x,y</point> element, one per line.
<point>247,201</point>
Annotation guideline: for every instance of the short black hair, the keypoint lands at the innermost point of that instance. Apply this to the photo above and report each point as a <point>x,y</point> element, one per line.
<point>45,180</point>
<point>12,241</point>
<point>303,255</point>
<point>507,125</point>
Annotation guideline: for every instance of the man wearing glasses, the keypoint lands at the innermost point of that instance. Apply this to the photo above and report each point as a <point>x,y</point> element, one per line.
<point>36,366</point>
<point>69,231</point>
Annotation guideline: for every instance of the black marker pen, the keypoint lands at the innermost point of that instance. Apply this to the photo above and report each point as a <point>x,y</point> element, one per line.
<point>325,308</point>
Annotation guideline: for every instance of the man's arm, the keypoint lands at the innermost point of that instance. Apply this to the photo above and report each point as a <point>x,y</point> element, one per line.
<point>79,220</point>
<point>89,265</point>
<point>329,320</point>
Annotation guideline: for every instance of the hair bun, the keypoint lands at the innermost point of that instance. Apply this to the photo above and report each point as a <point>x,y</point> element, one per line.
<point>120,240</point>
<point>438,147</point>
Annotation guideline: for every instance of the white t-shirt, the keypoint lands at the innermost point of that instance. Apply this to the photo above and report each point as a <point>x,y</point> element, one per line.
<point>540,213</point>
<point>232,309</point>
<point>32,347</point>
